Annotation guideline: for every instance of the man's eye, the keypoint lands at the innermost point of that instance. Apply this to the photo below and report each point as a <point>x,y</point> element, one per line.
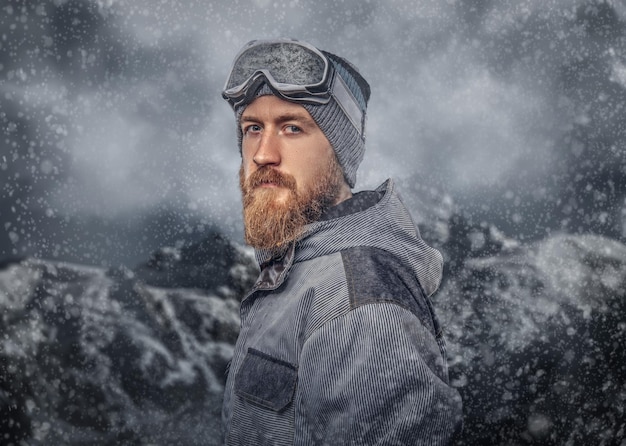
<point>293,129</point>
<point>253,128</point>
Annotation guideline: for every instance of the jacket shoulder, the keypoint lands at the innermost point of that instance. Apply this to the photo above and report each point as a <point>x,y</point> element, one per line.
<point>374,275</point>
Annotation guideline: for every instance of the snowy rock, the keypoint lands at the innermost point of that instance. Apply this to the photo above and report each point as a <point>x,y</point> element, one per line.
<point>214,263</point>
<point>90,356</point>
<point>537,339</point>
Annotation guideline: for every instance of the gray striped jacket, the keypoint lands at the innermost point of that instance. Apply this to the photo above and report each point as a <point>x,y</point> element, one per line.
<point>339,344</point>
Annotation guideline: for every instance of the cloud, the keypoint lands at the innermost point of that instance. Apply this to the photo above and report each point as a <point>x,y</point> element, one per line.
<point>122,99</point>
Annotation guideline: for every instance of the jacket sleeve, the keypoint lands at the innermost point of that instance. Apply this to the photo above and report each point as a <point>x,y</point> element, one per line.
<point>375,376</point>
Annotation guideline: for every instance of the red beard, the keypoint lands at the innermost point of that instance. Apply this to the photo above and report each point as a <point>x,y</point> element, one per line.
<point>271,223</point>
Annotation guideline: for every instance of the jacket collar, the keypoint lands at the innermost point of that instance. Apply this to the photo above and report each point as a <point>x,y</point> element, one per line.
<point>382,222</point>
<point>275,270</point>
<point>275,265</point>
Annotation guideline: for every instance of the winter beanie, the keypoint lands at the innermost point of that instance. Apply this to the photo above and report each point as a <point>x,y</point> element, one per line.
<point>345,139</point>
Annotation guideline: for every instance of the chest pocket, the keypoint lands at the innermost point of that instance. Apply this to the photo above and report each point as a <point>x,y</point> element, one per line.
<point>266,381</point>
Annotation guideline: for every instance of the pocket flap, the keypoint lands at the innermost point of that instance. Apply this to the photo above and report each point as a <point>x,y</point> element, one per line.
<point>266,381</point>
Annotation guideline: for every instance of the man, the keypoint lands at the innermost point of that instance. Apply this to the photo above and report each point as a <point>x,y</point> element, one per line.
<point>339,344</point>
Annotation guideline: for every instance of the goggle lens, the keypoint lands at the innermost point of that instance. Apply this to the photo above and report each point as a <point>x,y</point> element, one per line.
<point>288,63</point>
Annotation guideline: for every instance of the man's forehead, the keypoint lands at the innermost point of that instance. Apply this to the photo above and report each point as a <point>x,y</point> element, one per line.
<point>270,106</point>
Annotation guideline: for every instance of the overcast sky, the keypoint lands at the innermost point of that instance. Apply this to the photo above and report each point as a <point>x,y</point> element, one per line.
<point>112,109</point>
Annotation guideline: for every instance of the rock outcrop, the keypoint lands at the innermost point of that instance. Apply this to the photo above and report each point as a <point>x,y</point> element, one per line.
<point>537,341</point>
<point>90,356</point>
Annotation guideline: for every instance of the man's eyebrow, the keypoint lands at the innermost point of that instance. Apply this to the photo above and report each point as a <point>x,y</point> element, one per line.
<point>250,118</point>
<point>297,117</point>
<point>293,117</point>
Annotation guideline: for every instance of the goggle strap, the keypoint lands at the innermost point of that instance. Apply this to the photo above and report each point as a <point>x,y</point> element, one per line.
<point>348,103</point>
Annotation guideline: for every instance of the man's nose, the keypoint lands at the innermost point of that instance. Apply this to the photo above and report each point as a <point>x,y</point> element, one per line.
<point>268,150</point>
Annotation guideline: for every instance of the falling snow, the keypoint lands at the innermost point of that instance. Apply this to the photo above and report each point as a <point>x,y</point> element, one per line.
<point>121,263</point>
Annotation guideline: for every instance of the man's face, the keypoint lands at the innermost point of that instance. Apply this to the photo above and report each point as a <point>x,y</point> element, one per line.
<point>289,174</point>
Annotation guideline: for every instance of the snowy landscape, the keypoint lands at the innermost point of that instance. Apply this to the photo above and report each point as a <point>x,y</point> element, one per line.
<point>536,337</point>
<point>121,255</point>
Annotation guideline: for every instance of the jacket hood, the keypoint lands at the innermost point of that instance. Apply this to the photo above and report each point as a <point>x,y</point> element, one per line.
<point>386,225</point>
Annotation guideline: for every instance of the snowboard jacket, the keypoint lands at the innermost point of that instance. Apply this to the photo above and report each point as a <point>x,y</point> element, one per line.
<point>339,344</point>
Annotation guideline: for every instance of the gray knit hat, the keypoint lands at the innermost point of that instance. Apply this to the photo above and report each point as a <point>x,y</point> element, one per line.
<point>346,140</point>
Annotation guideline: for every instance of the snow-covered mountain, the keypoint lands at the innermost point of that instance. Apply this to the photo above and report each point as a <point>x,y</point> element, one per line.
<point>91,356</point>
<point>536,339</point>
<point>537,342</point>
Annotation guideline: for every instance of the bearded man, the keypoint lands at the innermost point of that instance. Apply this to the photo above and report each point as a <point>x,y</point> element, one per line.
<point>339,344</point>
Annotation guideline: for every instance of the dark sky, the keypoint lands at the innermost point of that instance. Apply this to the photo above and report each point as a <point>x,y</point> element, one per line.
<point>116,140</point>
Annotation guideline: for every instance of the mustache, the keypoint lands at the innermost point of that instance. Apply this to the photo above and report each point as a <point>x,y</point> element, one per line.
<point>267,175</point>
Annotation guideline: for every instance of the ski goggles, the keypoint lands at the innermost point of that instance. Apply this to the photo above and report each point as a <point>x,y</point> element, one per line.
<point>295,71</point>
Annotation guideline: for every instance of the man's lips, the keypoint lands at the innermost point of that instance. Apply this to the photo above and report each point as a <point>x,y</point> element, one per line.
<point>269,184</point>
